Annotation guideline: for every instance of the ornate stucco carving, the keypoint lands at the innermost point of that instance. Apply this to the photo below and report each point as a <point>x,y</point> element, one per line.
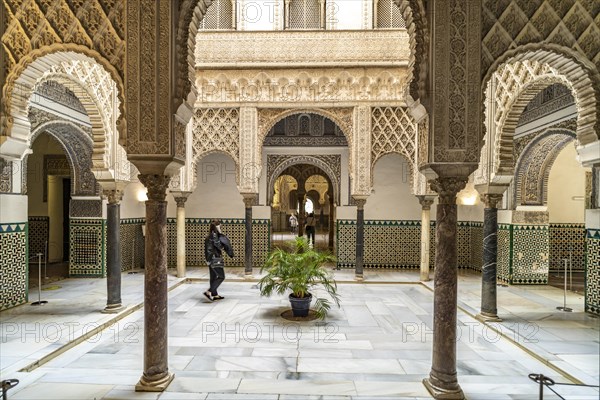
<point>509,91</point>
<point>6,175</point>
<point>241,49</point>
<point>394,130</point>
<point>535,163</point>
<point>301,87</point>
<point>216,130</point>
<point>361,150</point>
<point>456,109</point>
<point>512,23</point>
<point>35,28</point>
<point>78,147</point>
<point>249,150</point>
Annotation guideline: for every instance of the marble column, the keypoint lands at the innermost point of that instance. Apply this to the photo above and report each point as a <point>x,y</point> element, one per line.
<point>360,236</point>
<point>250,200</point>
<point>442,382</point>
<point>426,202</point>
<point>113,252</point>
<point>156,376</point>
<point>331,221</point>
<point>180,199</point>
<point>489,311</point>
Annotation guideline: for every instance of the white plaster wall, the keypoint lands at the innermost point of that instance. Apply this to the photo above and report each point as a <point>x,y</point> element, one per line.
<point>391,198</point>
<point>216,194</point>
<point>566,188</point>
<point>131,206</point>
<point>13,208</point>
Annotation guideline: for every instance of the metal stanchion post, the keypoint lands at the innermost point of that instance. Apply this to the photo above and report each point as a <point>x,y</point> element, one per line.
<point>46,261</point>
<point>8,384</point>
<point>564,307</point>
<point>40,301</point>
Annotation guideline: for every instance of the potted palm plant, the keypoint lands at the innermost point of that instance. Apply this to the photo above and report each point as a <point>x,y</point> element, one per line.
<point>298,269</point>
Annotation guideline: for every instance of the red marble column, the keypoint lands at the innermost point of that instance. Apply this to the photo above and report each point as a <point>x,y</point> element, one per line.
<point>442,382</point>
<point>156,376</point>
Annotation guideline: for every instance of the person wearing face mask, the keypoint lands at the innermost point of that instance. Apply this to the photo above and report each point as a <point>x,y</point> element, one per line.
<point>214,244</point>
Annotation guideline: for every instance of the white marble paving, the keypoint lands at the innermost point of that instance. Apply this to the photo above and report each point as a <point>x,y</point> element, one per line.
<point>378,345</point>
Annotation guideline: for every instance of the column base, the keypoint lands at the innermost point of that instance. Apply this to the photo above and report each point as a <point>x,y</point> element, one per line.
<point>113,309</point>
<point>424,278</point>
<point>359,277</point>
<point>443,394</point>
<point>154,386</point>
<point>248,275</point>
<point>487,317</point>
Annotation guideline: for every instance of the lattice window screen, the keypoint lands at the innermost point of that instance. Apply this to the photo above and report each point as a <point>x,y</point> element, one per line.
<point>305,14</point>
<point>389,15</point>
<point>218,16</point>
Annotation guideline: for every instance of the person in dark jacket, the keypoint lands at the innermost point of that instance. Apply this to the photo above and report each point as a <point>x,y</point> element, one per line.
<point>214,244</point>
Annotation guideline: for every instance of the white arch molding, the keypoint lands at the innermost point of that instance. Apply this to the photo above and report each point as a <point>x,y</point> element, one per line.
<point>95,88</point>
<point>508,91</point>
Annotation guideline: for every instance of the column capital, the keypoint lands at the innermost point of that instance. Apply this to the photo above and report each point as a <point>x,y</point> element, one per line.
<point>448,187</point>
<point>156,185</point>
<point>114,196</point>
<point>426,201</point>
<point>359,201</point>
<point>180,197</point>
<point>250,199</point>
<point>491,200</point>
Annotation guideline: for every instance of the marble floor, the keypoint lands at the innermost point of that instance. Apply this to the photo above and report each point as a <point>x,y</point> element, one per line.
<point>377,345</point>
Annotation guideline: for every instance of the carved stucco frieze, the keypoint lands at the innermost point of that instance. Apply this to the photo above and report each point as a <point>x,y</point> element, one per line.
<point>299,87</point>
<point>6,172</point>
<point>249,150</point>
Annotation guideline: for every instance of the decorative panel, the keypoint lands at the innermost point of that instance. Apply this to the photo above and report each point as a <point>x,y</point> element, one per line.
<point>305,14</point>
<point>592,278</point>
<point>510,23</point>
<point>87,241</point>
<point>388,244</point>
<point>530,254</point>
<point>38,234</point>
<point>132,243</point>
<point>218,16</point>
<point>196,230</point>
<point>389,15</point>
<point>13,265</point>
<point>567,241</point>
<point>6,174</point>
<point>476,246</point>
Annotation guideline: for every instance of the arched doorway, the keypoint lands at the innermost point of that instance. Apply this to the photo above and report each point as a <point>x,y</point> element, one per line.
<point>312,150</point>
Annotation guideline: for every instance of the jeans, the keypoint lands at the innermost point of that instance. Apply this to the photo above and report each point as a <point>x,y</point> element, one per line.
<point>310,232</point>
<point>217,276</point>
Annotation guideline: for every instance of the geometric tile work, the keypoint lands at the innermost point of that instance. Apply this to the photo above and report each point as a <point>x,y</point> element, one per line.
<point>132,243</point>
<point>196,230</point>
<point>504,253</point>
<point>463,243</point>
<point>388,244</point>
<point>567,239</point>
<point>38,234</point>
<point>476,245</point>
<point>87,247</point>
<point>13,265</point>
<point>530,253</point>
<point>592,278</point>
